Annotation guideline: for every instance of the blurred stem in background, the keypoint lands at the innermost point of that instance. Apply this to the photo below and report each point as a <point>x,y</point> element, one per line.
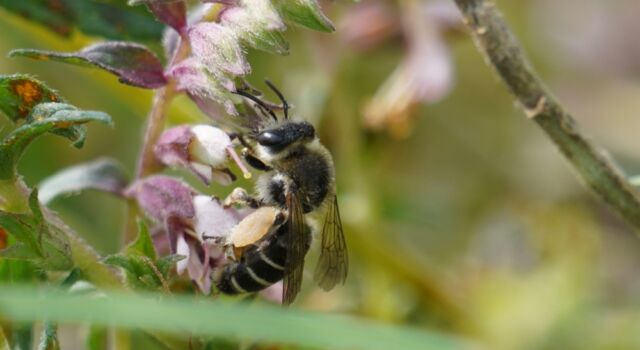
<point>502,51</point>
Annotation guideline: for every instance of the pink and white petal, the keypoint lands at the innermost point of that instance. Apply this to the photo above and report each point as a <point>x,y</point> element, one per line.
<point>212,221</point>
<point>172,148</point>
<point>162,197</point>
<point>182,248</point>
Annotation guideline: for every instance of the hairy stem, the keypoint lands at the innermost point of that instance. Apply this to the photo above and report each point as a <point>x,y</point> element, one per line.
<point>147,163</point>
<point>502,51</point>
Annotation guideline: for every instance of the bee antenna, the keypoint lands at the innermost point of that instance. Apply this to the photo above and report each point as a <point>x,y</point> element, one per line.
<point>285,105</point>
<point>258,101</point>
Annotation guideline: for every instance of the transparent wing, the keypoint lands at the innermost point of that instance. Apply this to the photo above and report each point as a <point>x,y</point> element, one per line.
<point>333,264</point>
<point>296,249</point>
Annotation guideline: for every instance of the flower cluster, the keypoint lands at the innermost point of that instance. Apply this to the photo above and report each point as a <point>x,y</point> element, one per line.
<point>209,70</point>
<point>217,58</point>
<point>206,50</point>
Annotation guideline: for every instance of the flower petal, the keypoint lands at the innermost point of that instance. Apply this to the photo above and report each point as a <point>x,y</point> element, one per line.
<point>182,248</point>
<point>212,220</point>
<point>162,197</point>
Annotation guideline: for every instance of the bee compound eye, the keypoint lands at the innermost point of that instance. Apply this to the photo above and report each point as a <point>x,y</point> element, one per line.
<point>268,138</point>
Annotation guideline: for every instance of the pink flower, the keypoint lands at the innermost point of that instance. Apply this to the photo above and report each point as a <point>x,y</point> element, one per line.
<point>203,149</point>
<point>196,225</point>
<point>211,88</point>
<point>424,75</point>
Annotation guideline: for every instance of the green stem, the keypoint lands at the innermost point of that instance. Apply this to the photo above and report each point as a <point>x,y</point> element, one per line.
<point>503,52</point>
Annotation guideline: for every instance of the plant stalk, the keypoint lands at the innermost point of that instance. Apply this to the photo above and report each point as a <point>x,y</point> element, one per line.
<point>502,51</point>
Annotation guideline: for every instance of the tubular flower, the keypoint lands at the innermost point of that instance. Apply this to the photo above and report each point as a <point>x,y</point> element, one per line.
<point>203,149</point>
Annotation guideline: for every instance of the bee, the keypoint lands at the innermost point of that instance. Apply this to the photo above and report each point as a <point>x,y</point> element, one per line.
<point>298,178</point>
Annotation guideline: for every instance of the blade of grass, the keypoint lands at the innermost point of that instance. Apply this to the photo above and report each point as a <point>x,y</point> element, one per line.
<point>256,322</point>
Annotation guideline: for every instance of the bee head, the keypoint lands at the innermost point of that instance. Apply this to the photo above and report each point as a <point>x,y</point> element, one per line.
<point>280,137</point>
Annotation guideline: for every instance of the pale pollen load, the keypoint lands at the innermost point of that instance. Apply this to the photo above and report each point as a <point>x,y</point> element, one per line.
<point>253,227</point>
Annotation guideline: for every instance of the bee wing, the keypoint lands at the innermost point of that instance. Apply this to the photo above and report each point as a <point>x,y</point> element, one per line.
<point>333,264</point>
<point>296,248</point>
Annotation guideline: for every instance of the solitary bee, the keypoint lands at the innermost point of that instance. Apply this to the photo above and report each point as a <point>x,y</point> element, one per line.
<point>299,180</point>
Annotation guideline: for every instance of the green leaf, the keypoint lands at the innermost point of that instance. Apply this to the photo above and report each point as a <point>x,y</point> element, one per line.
<point>139,271</point>
<point>132,63</point>
<point>19,93</point>
<point>143,245</point>
<point>103,174</point>
<point>111,19</point>
<point>265,323</point>
<point>270,41</point>
<point>44,245</point>
<point>46,117</point>
<point>306,13</point>
<point>165,263</point>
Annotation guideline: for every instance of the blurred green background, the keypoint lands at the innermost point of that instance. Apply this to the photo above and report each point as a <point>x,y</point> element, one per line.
<point>468,220</point>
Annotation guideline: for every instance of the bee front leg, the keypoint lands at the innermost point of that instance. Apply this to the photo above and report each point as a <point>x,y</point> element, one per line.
<point>254,161</point>
<point>240,197</point>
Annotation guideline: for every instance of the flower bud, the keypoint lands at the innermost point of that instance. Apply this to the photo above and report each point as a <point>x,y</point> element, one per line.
<point>205,87</point>
<point>258,23</point>
<point>215,45</point>
<point>203,149</point>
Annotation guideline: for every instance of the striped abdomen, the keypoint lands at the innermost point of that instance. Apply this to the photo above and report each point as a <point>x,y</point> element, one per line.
<point>260,267</point>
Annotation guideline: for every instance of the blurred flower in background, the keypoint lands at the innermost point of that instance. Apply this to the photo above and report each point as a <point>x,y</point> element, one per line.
<point>425,73</point>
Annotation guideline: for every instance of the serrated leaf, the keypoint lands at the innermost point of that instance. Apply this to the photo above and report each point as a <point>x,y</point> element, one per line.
<point>143,245</point>
<point>119,261</point>
<point>19,93</point>
<point>46,117</point>
<point>109,19</point>
<point>103,174</point>
<point>132,63</point>
<point>136,267</point>
<point>44,245</point>
<point>306,13</point>
<point>165,263</point>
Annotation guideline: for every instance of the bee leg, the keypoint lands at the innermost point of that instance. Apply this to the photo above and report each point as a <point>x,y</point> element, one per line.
<point>240,196</point>
<point>253,161</point>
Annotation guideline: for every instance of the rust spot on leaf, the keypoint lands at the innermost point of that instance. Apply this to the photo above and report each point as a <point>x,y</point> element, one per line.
<point>28,92</point>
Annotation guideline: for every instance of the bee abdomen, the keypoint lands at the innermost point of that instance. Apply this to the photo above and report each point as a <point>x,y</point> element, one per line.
<point>262,267</point>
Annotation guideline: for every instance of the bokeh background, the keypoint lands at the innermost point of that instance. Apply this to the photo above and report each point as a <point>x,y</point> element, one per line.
<point>460,215</point>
